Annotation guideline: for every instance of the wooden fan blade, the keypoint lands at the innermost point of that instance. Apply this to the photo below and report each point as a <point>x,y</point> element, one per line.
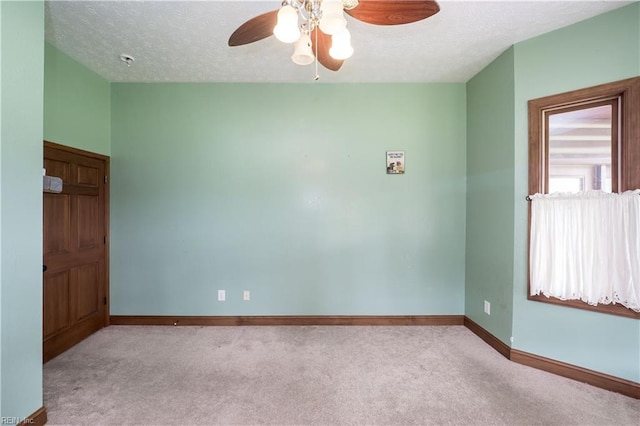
<point>254,29</point>
<point>321,50</point>
<point>391,12</point>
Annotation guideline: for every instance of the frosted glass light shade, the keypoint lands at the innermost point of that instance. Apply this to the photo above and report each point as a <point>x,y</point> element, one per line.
<point>286,30</point>
<point>332,21</point>
<point>303,55</point>
<point>341,45</point>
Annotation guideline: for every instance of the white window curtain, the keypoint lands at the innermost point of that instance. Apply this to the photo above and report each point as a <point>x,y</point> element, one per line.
<point>586,246</point>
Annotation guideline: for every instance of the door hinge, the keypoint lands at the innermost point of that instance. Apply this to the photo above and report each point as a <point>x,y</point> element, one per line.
<point>105,179</point>
<point>104,239</point>
<point>105,300</point>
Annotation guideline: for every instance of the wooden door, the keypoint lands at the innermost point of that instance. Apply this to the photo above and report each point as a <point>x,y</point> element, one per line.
<point>75,254</point>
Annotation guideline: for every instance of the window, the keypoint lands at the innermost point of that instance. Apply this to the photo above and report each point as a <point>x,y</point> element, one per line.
<point>583,140</point>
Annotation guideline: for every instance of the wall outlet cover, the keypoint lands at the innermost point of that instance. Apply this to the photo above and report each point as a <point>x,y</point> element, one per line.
<point>487,308</point>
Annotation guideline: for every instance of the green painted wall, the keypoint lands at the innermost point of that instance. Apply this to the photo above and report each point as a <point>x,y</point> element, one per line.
<point>282,190</point>
<point>490,197</point>
<point>22,51</point>
<point>600,50</point>
<point>77,104</point>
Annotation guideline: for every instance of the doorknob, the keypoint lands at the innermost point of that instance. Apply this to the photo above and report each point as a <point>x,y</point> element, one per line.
<point>44,268</point>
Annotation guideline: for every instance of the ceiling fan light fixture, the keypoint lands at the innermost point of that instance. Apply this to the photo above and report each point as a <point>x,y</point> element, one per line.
<point>341,45</point>
<point>332,20</point>
<point>315,18</point>
<point>303,54</point>
<point>287,30</point>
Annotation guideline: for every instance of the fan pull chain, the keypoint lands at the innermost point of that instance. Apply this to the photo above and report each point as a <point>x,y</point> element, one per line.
<point>317,77</point>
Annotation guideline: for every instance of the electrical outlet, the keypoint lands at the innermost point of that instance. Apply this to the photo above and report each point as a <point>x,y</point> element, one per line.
<point>487,308</point>
<point>246,295</point>
<point>221,296</point>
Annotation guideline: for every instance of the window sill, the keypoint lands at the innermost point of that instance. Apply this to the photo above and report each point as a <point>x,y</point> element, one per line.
<point>578,304</point>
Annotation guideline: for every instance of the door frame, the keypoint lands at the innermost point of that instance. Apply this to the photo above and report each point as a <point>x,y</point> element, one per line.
<point>107,248</point>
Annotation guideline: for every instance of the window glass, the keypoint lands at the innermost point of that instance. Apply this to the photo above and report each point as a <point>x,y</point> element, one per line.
<point>580,149</point>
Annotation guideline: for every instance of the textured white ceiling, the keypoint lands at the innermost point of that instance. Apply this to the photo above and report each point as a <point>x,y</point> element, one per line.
<point>186,41</point>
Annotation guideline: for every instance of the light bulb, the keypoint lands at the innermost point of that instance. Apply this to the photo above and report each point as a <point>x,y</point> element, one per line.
<point>341,45</point>
<point>286,30</point>
<point>332,20</point>
<point>303,55</point>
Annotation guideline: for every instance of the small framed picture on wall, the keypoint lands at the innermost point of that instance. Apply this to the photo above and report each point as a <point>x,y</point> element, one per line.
<point>395,162</point>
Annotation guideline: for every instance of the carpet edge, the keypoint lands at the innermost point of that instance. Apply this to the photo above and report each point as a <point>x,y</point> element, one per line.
<point>292,320</point>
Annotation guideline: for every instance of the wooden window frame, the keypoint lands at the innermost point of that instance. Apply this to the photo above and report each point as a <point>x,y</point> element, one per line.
<point>626,160</point>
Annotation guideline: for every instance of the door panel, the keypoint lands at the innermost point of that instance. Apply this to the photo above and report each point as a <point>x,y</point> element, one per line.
<point>88,176</point>
<point>88,221</point>
<point>56,223</point>
<point>87,294</point>
<point>74,283</point>
<point>58,168</point>
<point>56,303</point>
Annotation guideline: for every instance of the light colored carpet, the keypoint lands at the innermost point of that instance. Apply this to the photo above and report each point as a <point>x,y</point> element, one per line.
<point>312,375</point>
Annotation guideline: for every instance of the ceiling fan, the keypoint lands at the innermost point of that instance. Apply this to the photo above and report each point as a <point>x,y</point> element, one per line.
<point>318,27</point>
